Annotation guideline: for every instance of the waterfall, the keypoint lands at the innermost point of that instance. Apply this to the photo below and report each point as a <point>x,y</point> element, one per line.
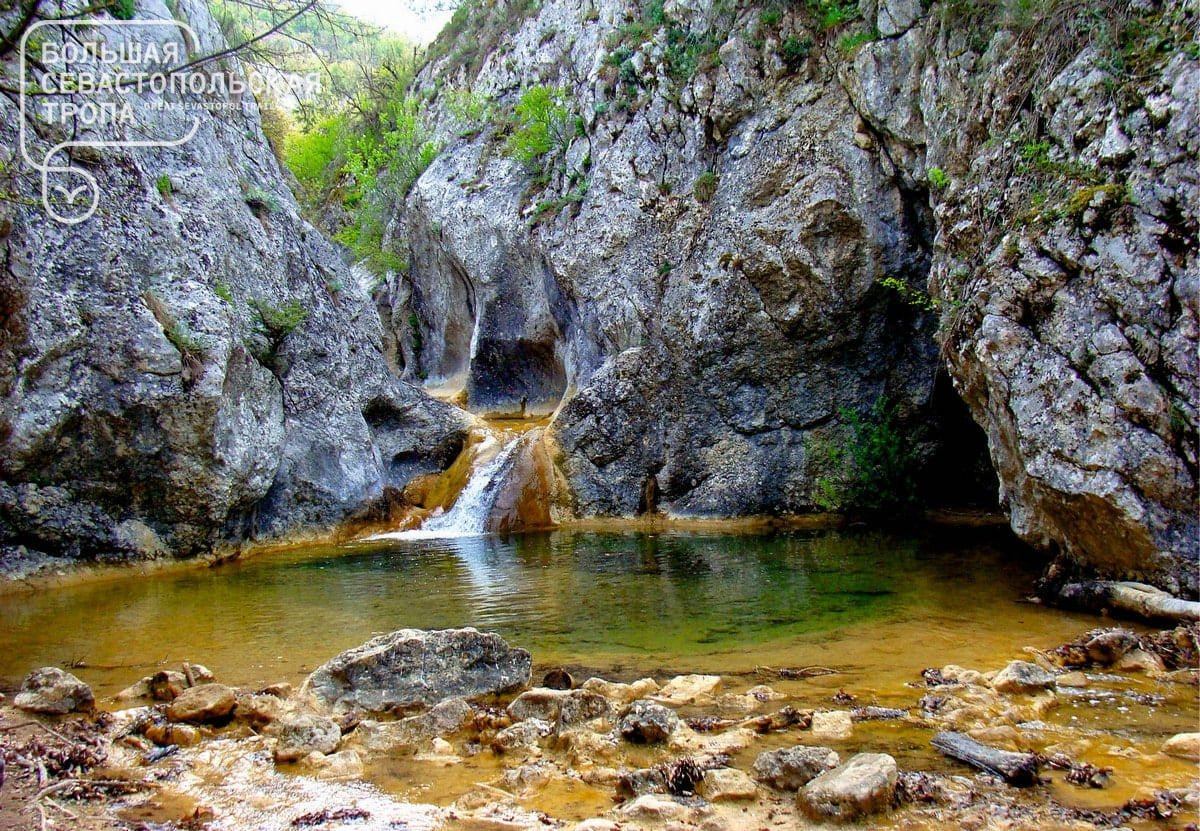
<point>471,511</point>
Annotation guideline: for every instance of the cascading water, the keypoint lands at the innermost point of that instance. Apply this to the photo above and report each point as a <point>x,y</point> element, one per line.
<point>471,512</point>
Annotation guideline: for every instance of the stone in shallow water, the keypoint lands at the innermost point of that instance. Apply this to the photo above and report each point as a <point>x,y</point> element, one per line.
<point>646,722</point>
<point>302,735</point>
<point>412,667</point>
<point>202,704</point>
<point>55,691</point>
<point>832,724</point>
<point>1022,677</point>
<point>1183,746</point>
<point>727,784</point>
<point>791,768</point>
<point>864,785</point>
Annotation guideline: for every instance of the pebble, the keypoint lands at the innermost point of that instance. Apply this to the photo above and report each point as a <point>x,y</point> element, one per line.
<point>832,724</point>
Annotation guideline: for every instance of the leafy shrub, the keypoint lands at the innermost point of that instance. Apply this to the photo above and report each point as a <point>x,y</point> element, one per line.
<point>875,469</point>
<point>121,9</point>
<point>705,187</point>
<point>794,51</point>
<point>163,185</point>
<point>834,13</point>
<point>938,178</point>
<point>851,42</point>
<point>544,126</point>
<point>279,321</point>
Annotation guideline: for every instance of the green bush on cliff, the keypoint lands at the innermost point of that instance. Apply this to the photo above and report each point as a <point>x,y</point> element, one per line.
<point>874,473</point>
<point>544,126</point>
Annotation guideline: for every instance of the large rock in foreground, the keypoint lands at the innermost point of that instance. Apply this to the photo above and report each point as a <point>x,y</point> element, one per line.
<point>411,668</point>
<point>864,785</point>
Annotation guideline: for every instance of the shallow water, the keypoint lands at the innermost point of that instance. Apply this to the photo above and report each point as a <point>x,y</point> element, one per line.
<point>873,607</point>
<point>670,601</point>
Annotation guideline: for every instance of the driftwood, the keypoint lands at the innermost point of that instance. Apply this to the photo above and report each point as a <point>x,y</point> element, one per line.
<point>1135,598</point>
<point>1014,768</point>
<point>780,720</point>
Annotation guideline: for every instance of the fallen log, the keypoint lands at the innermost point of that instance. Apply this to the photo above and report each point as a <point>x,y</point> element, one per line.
<point>1018,769</point>
<point>1134,598</point>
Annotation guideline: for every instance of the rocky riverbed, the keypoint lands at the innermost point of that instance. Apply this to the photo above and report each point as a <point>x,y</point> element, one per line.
<point>444,730</point>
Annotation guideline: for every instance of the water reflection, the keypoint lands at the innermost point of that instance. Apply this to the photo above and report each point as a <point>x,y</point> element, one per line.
<point>566,594</point>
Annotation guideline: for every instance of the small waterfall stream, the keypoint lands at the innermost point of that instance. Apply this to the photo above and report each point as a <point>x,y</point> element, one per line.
<point>472,513</point>
<point>471,510</point>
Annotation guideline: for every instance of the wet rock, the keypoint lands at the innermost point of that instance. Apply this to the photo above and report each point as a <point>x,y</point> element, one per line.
<point>792,768</point>
<point>642,781</point>
<point>832,724</point>
<point>413,667</point>
<point>540,703</point>
<point>646,722</point>
<point>389,738</point>
<point>1183,746</point>
<point>280,690</point>
<point>343,766</point>
<point>1071,680</point>
<point>596,824</point>
<point>1108,646</point>
<point>202,704</point>
<point>524,735</point>
<point>1139,660</point>
<point>258,710</point>
<point>1022,677</point>
<point>864,785</point>
<point>653,807</point>
<point>184,735</point>
<point>299,736</point>
<point>621,694</point>
<point>582,706</point>
<point>727,784</point>
<point>687,689</point>
<point>167,685</point>
<point>585,747</point>
<point>55,691</point>
<point>528,779</point>
<point>136,691</point>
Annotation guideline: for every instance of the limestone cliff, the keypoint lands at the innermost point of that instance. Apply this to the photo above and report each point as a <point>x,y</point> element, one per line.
<point>194,362</point>
<point>763,218</point>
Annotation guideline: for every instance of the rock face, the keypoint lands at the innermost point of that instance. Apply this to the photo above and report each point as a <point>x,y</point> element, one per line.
<point>864,785</point>
<point>194,362</point>
<point>55,691</point>
<point>709,300</point>
<point>414,668</point>
<point>743,241</point>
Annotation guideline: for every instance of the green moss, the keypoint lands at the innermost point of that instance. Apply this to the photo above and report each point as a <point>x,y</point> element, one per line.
<point>163,185</point>
<point>1112,197</point>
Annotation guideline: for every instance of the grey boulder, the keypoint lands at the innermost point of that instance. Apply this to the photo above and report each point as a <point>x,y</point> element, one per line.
<point>414,668</point>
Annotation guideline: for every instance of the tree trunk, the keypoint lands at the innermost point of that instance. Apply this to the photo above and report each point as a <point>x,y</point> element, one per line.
<point>1015,768</point>
<point>1135,598</point>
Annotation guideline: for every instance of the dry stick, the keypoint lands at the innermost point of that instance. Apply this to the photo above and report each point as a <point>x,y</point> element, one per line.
<point>65,784</point>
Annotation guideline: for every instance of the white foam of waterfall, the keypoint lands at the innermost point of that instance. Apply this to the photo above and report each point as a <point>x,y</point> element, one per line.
<point>469,515</point>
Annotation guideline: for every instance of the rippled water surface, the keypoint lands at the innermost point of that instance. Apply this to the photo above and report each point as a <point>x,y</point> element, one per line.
<point>670,600</point>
